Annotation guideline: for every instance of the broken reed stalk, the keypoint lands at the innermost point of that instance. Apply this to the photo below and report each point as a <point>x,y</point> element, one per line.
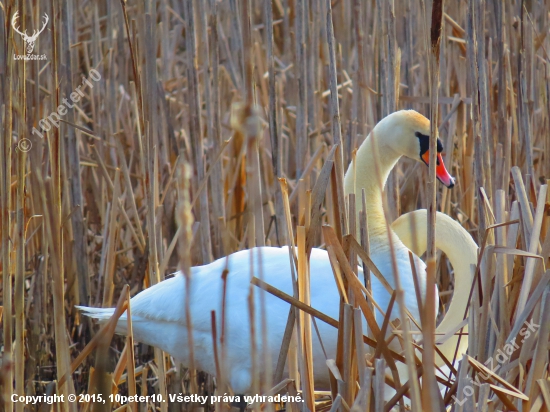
<point>316,313</point>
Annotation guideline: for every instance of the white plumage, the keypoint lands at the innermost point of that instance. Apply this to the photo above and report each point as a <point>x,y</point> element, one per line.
<point>158,313</point>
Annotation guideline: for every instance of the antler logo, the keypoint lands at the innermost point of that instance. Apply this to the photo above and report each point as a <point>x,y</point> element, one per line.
<point>30,40</point>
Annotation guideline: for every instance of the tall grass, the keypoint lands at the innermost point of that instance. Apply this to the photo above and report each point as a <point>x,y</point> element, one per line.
<point>220,125</point>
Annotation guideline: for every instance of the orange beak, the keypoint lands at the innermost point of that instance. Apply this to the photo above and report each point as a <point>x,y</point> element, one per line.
<point>440,170</point>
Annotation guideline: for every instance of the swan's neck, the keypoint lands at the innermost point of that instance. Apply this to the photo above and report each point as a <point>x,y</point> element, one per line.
<point>461,250</point>
<point>369,171</point>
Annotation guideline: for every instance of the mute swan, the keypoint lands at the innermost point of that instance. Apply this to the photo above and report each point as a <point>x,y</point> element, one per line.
<point>376,157</point>
<point>158,313</point>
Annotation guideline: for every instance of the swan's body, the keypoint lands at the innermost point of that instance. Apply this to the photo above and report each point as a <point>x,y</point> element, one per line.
<point>158,313</point>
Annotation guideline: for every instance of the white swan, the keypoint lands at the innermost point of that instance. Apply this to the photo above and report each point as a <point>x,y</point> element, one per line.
<point>158,313</point>
<point>406,133</point>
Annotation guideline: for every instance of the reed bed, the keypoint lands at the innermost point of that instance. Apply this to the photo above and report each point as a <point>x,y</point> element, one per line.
<point>219,125</point>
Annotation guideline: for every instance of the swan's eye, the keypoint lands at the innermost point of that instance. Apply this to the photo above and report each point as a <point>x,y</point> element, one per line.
<point>424,141</point>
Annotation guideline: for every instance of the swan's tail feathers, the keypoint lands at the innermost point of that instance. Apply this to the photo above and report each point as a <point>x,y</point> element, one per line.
<point>103,315</point>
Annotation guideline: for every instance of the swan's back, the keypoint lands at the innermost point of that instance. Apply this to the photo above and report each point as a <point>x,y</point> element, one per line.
<point>159,312</point>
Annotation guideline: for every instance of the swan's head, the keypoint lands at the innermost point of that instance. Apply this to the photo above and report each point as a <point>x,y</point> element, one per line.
<point>408,133</point>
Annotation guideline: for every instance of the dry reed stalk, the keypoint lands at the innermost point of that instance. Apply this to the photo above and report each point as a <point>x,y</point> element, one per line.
<point>305,320</point>
<point>216,355</point>
<point>435,41</point>
<point>274,127</point>
<point>348,369</point>
<point>110,246</point>
<point>6,200</point>
<point>102,377</point>
<point>314,312</point>
<point>52,218</point>
<point>336,253</point>
<point>292,247</point>
<point>130,365</point>
<point>218,204</point>
<point>185,220</point>
<point>19,243</point>
<point>352,219</point>
<point>302,147</point>
<point>307,170</point>
<point>137,232</point>
<point>119,370</point>
<point>430,395</point>
<point>336,125</point>
<point>290,345</point>
<point>106,331</point>
<point>254,354</point>
<point>317,197</point>
<point>195,127</point>
<point>533,247</point>
<point>149,162</point>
